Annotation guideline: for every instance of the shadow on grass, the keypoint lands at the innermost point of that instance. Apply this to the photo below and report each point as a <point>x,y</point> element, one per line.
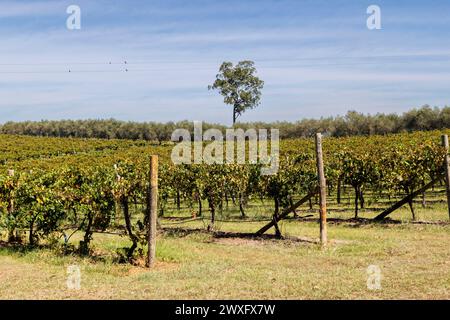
<point>23,249</point>
<point>19,247</point>
<point>183,232</point>
<point>357,222</point>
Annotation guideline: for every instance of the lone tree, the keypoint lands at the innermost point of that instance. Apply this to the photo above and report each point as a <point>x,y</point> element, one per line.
<point>239,86</point>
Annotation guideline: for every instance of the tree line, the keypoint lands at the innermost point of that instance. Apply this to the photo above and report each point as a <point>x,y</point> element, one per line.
<point>353,123</point>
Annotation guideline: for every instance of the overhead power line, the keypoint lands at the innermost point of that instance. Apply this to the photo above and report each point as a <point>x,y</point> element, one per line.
<point>159,65</point>
<point>281,59</point>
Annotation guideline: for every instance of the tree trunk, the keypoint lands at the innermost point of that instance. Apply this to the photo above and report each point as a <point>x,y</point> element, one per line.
<point>212,209</point>
<point>286,212</point>
<point>276,217</point>
<point>411,207</point>
<point>30,236</point>
<point>84,244</point>
<point>11,235</point>
<point>133,237</point>
<point>277,206</point>
<point>178,201</point>
<point>356,201</point>
<point>241,205</point>
<point>338,196</point>
<point>233,199</point>
<point>405,200</point>
<point>11,231</point>
<point>361,197</point>
<point>31,231</point>
<point>277,228</point>
<point>291,203</point>
<point>199,206</point>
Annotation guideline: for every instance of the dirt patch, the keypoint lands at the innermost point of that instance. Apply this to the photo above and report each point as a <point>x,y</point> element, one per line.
<point>252,240</point>
<point>248,239</point>
<point>286,240</point>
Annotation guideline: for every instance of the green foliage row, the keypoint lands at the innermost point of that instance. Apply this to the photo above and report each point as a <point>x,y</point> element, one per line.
<point>85,191</point>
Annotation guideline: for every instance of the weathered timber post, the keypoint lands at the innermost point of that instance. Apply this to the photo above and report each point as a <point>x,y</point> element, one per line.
<point>152,209</point>
<point>286,212</point>
<point>447,170</point>
<point>407,199</point>
<point>322,190</point>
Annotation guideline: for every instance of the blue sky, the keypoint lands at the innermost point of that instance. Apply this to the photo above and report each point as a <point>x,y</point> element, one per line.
<point>317,58</point>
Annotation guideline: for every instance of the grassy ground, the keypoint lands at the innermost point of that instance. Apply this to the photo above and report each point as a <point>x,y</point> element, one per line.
<point>414,260</point>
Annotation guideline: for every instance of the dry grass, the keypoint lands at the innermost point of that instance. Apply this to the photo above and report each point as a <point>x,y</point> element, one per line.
<point>194,264</point>
<point>414,259</point>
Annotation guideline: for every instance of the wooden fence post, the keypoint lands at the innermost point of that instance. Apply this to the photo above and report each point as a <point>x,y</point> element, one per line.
<point>322,190</point>
<point>447,170</point>
<point>286,212</point>
<point>152,207</point>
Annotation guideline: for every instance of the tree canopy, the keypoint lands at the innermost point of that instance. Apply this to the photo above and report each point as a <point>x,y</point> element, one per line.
<point>239,85</point>
<point>353,123</point>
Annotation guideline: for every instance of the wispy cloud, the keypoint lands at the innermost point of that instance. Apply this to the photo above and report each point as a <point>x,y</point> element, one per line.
<point>315,57</point>
<point>9,9</point>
